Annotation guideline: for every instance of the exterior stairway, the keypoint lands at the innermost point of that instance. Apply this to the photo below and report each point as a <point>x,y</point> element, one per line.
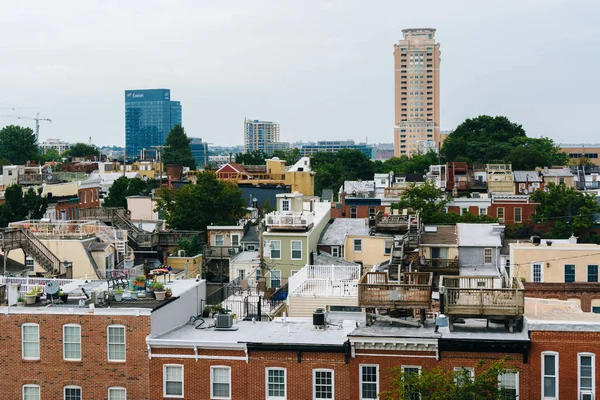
<point>11,239</point>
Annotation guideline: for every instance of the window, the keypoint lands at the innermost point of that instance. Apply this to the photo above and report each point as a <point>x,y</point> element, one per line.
<point>285,205</point>
<point>586,375</point>
<point>408,371</point>
<point>72,342</point>
<point>508,383</point>
<point>500,212</point>
<point>275,278</point>
<point>487,256</point>
<point>353,212</point>
<point>72,393</point>
<point>29,263</point>
<point>218,240</point>
<point>275,381</point>
<point>31,392</point>
<point>257,275</point>
<point>220,382</point>
<point>335,252</point>
<point>596,310</point>
<point>116,343</point>
<point>172,380</point>
<point>117,393</point>
<point>537,272</point>
<point>592,273</point>
<point>235,240</point>
<point>518,215</point>
<point>276,249</point>
<point>550,375</point>
<point>30,336</point>
<point>387,247</point>
<point>371,211</point>
<point>296,250</point>
<point>323,384</point>
<point>357,245</point>
<point>482,211</point>
<point>569,273</point>
<point>369,381</point>
<point>463,374</point>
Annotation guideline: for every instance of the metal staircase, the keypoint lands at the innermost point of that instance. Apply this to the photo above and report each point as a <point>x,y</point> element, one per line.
<point>11,239</point>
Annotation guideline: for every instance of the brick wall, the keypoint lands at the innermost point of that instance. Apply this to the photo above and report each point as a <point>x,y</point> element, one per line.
<point>94,373</point>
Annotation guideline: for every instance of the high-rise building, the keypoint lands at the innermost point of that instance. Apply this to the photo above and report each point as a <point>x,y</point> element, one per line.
<point>262,136</point>
<point>199,151</point>
<point>149,116</point>
<point>333,146</point>
<point>417,92</point>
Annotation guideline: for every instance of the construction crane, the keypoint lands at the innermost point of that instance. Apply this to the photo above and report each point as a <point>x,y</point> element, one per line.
<point>37,119</point>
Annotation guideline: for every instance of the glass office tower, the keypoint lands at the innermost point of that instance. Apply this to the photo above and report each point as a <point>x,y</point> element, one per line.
<point>149,116</point>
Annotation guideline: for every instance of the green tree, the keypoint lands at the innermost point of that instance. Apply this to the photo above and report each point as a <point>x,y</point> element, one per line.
<point>446,384</point>
<point>20,206</point>
<point>178,150</point>
<point>82,150</point>
<point>18,145</point>
<point>291,156</point>
<point>255,157</point>
<point>209,201</point>
<point>332,169</point>
<point>564,210</point>
<point>123,187</point>
<point>418,163</point>
<point>192,246</point>
<point>51,155</point>
<point>530,153</point>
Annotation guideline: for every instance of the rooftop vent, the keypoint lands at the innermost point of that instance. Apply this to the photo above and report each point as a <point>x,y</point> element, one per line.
<point>224,322</point>
<point>536,240</point>
<point>319,318</point>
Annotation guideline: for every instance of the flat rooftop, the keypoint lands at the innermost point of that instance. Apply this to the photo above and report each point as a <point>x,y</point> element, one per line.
<point>559,315</point>
<point>293,331</point>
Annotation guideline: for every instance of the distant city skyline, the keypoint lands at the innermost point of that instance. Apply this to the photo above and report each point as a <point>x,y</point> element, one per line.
<point>327,73</point>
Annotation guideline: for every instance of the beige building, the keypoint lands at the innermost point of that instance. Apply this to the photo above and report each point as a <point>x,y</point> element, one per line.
<point>417,93</point>
<point>579,152</point>
<point>367,250</point>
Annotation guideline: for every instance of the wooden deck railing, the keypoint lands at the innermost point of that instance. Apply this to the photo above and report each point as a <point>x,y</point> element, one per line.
<point>413,290</point>
<point>476,296</point>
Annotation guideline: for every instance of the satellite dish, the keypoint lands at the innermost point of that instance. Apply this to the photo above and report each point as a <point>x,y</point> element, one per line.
<point>52,287</point>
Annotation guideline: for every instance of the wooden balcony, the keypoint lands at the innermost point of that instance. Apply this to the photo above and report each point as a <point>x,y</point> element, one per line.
<point>438,265</point>
<point>221,252</point>
<point>412,292</point>
<point>392,222</point>
<point>476,297</point>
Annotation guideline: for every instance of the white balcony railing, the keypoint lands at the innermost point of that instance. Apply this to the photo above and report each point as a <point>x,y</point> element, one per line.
<point>290,219</point>
<point>325,281</point>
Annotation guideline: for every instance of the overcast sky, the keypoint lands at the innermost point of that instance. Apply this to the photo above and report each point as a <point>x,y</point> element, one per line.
<point>322,69</point>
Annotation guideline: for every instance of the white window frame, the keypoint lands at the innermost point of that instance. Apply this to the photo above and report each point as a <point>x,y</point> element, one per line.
<point>516,373</point>
<point>520,220</point>
<point>65,326</point>
<point>238,239</point>
<point>458,370</point>
<point>314,381</point>
<point>271,277</point>
<point>593,389</point>
<point>482,211</point>
<point>28,325</point>
<point>217,240</point>
<point>31,386</point>
<point>292,249</point>
<point>360,377</point>
<point>500,215</point>
<point>267,396</point>
<point>285,205</point>
<point>72,387</point>
<point>543,372</point>
<point>294,272</point>
<point>353,212</point>
<point>359,241</point>
<point>541,272</point>
<point>108,343</point>
<point>177,396</point>
<point>272,249</point>
<point>336,250</point>
<point>118,389</point>
<point>489,256</point>
<point>212,369</point>
<point>404,367</point>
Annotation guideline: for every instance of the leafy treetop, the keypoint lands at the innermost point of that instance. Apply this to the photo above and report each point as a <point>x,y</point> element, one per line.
<point>82,150</point>
<point>20,206</point>
<point>123,187</point>
<point>178,150</point>
<point>18,145</point>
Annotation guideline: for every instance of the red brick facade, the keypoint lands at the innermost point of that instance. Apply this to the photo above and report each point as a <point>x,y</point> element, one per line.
<point>584,291</point>
<point>94,373</point>
<point>88,197</point>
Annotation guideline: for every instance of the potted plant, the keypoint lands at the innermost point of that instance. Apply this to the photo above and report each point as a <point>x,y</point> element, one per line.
<point>139,282</point>
<point>134,294</point>
<point>168,292</point>
<point>159,290</point>
<point>38,293</point>
<point>118,292</point>
<point>63,296</point>
<point>31,297</point>
<point>20,301</point>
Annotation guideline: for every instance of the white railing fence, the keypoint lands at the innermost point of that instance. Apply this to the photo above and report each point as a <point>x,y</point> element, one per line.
<point>325,280</point>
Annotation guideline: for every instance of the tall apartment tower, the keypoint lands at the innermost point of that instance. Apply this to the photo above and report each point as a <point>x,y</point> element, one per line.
<point>150,114</point>
<point>417,92</point>
<point>262,136</point>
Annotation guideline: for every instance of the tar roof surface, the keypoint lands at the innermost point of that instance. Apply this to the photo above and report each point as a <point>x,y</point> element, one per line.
<point>444,235</point>
<point>335,233</point>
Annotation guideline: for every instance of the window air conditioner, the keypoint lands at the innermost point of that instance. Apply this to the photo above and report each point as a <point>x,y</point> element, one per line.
<point>224,321</point>
<point>500,220</point>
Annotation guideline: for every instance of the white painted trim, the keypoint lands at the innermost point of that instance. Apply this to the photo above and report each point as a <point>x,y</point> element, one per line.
<point>72,387</point>
<point>28,324</point>
<point>516,382</point>
<point>115,388</point>
<point>314,371</point>
<point>394,355</point>
<point>108,342</point>
<point>556,365</point>
<point>199,357</point>
<point>360,379</point>
<point>27,385</point>
<point>212,368</point>
<point>65,343</point>
<point>593,356</point>
<point>292,250</point>
<point>164,379</point>
<point>285,385</point>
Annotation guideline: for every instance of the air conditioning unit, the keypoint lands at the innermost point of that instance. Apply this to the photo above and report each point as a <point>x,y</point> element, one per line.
<point>224,321</point>
<point>181,253</point>
<point>586,395</point>
<point>500,220</point>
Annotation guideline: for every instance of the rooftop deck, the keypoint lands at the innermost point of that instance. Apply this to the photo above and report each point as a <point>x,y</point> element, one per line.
<point>476,297</point>
<point>413,291</point>
<point>325,281</point>
<point>290,220</point>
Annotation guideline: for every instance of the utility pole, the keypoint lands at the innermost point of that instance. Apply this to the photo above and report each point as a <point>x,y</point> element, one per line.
<point>159,149</point>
